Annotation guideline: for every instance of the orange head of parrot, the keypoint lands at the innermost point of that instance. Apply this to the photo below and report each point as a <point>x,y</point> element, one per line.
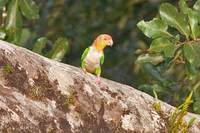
<point>102,41</point>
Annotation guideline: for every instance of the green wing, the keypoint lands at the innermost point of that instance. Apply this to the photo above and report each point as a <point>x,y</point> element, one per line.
<point>98,71</point>
<point>83,57</point>
<point>102,59</point>
<point>84,54</point>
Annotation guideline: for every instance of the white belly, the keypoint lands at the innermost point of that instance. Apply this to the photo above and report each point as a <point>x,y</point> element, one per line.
<point>92,60</point>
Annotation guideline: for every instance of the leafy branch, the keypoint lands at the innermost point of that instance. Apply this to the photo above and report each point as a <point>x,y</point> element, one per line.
<point>12,29</point>
<point>175,43</point>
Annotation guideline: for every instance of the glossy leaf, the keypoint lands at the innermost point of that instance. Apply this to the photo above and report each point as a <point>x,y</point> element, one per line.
<point>163,45</point>
<point>40,45</point>
<point>13,22</point>
<point>29,9</point>
<point>169,50</point>
<point>191,72</point>
<point>191,54</point>
<point>193,17</point>
<point>194,23</point>
<point>154,59</point>
<point>154,28</point>
<point>172,17</point>
<point>183,6</point>
<point>197,5</point>
<point>59,49</point>
<point>3,3</point>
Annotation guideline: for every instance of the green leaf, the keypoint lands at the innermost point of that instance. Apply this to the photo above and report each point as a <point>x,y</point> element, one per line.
<point>25,34</point>
<point>154,59</point>
<point>163,45</point>
<point>194,23</point>
<point>13,22</point>
<point>191,72</point>
<point>197,5</point>
<point>154,28</point>
<point>172,17</point>
<point>193,18</point>
<point>153,72</point>
<point>169,50</point>
<point>3,3</point>
<point>191,54</point>
<point>29,9</point>
<point>183,6</point>
<point>59,49</point>
<point>196,104</point>
<point>40,45</point>
<point>14,19</point>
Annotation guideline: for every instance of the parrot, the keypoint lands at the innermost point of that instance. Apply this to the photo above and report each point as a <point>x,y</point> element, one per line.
<point>93,56</point>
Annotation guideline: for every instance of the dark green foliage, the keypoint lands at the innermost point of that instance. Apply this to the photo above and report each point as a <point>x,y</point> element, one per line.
<point>170,15</point>
<point>40,45</point>
<point>163,45</point>
<point>176,38</point>
<point>29,9</point>
<point>154,29</point>
<point>14,31</point>
<point>13,23</point>
<point>191,54</point>
<point>3,3</point>
<point>60,48</point>
<point>13,27</point>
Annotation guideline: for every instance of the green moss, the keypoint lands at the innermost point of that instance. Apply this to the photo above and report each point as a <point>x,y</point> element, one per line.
<point>7,68</point>
<point>176,121</point>
<point>70,99</point>
<point>51,130</point>
<point>36,93</point>
<point>156,105</point>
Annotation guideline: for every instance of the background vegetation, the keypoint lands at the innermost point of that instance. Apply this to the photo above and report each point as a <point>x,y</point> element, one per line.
<point>69,26</point>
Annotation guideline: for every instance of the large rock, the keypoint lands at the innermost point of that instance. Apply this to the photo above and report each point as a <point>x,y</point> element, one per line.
<point>41,95</point>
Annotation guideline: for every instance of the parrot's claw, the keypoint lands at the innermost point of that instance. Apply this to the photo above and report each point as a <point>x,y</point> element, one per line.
<point>84,70</point>
<point>98,80</point>
<point>102,85</point>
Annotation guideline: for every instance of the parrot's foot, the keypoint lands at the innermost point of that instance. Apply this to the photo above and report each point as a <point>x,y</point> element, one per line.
<point>84,70</point>
<point>98,80</point>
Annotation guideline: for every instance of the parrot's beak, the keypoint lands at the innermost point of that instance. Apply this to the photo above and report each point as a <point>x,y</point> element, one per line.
<point>110,43</point>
